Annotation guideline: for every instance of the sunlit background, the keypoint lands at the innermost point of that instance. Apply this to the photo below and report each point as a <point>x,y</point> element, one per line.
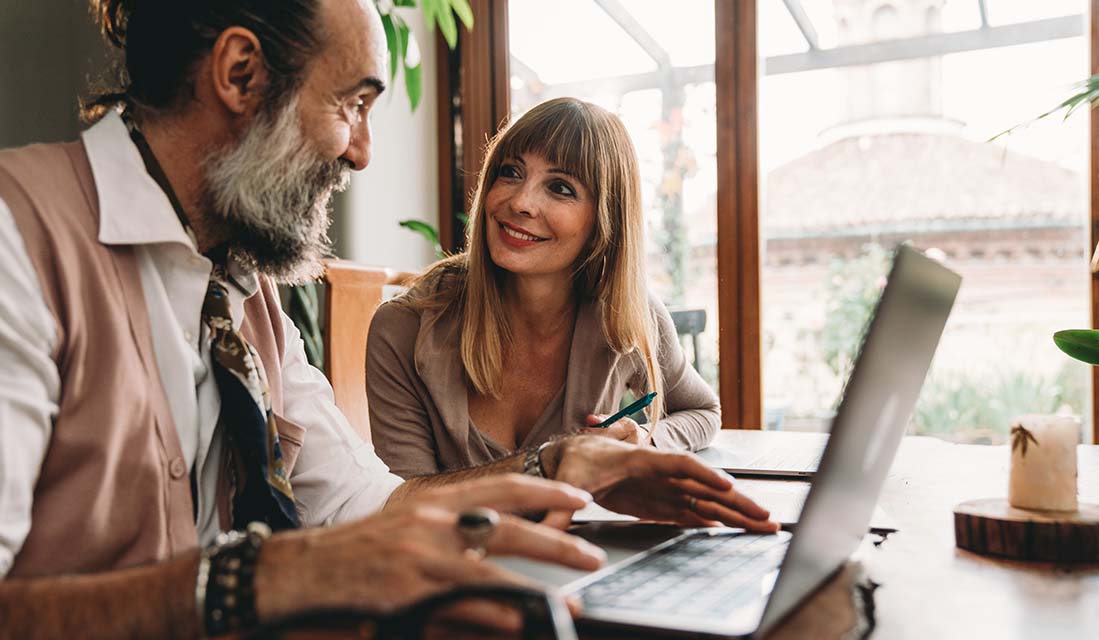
<point>875,124</point>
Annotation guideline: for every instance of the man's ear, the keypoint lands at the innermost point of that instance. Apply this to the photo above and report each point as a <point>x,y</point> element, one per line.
<point>238,70</point>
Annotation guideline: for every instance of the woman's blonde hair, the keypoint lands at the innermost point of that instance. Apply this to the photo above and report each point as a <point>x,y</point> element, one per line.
<point>593,145</point>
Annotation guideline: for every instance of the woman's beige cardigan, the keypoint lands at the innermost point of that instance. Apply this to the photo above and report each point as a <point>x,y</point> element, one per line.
<point>418,398</point>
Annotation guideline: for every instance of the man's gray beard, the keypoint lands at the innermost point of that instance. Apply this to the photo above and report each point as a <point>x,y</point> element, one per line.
<point>273,190</point>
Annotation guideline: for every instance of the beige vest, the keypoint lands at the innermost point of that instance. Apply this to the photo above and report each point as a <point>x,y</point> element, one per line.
<point>114,489</point>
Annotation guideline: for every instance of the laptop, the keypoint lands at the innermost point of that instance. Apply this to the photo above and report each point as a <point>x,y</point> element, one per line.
<point>730,584</point>
<point>746,454</point>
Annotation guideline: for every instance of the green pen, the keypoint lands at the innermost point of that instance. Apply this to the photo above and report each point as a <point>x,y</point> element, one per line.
<point>630,410</point>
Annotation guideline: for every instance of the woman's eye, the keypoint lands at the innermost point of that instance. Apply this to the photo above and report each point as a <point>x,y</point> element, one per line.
<point>562,189</point>
<point>509,171</point>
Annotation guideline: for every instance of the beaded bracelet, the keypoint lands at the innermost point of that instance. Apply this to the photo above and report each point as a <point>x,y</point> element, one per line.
<point>225,596</point>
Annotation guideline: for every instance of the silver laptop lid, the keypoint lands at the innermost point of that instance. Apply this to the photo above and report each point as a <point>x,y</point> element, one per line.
<point>869,424</point>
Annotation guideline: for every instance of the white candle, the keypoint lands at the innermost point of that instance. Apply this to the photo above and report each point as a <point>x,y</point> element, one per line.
<point>1043,462</point>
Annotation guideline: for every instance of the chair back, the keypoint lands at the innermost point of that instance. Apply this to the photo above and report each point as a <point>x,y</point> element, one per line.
<point>353,292</point>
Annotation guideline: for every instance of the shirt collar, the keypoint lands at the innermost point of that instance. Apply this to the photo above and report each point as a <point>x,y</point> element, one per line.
<point>133,209</point>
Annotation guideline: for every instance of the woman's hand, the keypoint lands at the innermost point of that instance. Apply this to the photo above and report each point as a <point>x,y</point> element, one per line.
<point>652,485</point>
<point>624,430</point>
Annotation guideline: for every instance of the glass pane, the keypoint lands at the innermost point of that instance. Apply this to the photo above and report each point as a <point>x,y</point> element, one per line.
<point>670,114</point>
<point>856,158</point>
<point>1013,11</point>
<point>571,41</point>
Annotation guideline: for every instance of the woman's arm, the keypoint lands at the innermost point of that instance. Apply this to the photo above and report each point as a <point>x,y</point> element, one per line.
<point>399,424</point>
<point>692,412</point>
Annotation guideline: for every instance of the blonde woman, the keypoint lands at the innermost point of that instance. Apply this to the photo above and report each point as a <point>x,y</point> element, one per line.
<point>545,322</point>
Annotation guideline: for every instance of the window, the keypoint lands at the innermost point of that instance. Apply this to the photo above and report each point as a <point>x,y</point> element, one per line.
<point>873,121</point>
<point>864,145</point>
<point>653,67</point>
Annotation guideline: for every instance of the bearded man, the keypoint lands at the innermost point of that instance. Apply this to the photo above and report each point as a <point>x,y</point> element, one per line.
<point>153,396</point>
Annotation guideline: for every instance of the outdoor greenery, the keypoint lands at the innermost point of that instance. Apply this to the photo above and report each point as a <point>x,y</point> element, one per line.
<point>853,289</point>
<point>974,406</point>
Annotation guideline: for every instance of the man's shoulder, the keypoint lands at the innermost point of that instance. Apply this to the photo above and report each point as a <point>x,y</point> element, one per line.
<point>30,160</point>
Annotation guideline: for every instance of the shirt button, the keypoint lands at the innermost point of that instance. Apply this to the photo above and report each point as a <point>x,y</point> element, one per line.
<point>178,468</point>
<point>188,336</point>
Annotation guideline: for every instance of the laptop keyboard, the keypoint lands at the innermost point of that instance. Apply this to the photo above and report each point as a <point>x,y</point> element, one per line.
<point>708,575</point>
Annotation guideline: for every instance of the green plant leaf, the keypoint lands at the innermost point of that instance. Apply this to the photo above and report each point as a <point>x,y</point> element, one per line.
<point>464,12</point>
<point>1088,93</point>
<point>1081,344</point>
<point>393,44</point>
<point>413,78</point>
<point>430,8</point>
<point>422,228</point>
<point>404,3</point>
<point>447,25</point>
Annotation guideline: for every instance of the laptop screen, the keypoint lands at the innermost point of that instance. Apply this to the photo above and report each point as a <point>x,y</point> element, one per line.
<point>877,404</point>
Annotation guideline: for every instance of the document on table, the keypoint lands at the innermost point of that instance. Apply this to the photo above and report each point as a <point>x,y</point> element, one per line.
<point>783,498</point>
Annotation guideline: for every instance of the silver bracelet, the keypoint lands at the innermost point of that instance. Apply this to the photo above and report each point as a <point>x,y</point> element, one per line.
<point>532,462</point>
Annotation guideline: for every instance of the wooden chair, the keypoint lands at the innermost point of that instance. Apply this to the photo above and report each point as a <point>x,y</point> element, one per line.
<point>353,292</point>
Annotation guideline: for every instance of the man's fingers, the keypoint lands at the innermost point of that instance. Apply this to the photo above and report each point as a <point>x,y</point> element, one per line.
<point>559,520</point>
<point>513,492</point>
<point>517,537</point>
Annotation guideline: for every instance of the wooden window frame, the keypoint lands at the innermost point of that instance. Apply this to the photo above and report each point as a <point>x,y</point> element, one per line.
<point>479,68</point>
<point>1093,202</point>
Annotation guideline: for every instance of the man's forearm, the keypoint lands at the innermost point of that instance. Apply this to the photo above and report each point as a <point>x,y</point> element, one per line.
<point>412,486</point>
<point>154,601</point>
<point>550,458</point>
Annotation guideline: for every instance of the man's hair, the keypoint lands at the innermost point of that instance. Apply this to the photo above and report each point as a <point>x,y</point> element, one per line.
<point>163,40</point>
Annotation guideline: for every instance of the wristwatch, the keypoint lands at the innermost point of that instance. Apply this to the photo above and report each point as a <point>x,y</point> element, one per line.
<point>225,597</point>
<point>532,462</point>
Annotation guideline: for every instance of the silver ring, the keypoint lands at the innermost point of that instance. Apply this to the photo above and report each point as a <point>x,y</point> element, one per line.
<point>475,527</point>
<point>691,502</point>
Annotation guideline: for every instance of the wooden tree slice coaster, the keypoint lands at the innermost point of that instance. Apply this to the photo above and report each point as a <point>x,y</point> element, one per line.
<point>993,527</point>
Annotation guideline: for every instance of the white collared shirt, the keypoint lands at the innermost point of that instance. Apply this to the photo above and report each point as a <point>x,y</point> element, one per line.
<point>337,476</point>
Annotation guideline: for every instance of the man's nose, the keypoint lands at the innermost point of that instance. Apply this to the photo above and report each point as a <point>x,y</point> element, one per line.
<point>358,148</point>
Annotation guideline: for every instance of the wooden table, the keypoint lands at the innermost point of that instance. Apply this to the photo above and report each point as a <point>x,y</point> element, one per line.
<point>928,587</point>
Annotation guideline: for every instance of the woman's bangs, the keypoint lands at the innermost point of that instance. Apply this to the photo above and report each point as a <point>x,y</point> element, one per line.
<point>564,139</point>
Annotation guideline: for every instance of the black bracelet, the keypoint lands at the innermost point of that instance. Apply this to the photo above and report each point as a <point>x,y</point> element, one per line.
<point>225,591</point>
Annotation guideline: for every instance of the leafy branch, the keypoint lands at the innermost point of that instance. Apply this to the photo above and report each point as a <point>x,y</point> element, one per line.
<point>404,50</point>
<point>1087,94</point>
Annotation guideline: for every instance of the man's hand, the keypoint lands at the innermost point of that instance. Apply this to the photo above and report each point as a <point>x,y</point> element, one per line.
<point>651,484</point>
<point>413,550</point>
<point>624,430</point>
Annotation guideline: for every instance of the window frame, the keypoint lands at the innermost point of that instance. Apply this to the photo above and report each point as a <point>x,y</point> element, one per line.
<point>479,67</point>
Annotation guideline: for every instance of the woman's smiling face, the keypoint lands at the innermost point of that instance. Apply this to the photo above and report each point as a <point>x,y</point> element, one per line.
<point>538,217</point>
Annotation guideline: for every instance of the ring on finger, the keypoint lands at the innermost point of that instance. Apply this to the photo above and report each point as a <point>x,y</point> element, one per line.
<point>475,527</point>
<point>692,502</point>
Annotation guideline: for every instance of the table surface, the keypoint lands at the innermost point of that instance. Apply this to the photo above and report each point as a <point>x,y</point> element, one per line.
<point>915,583</point>
<point>928,587</point>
